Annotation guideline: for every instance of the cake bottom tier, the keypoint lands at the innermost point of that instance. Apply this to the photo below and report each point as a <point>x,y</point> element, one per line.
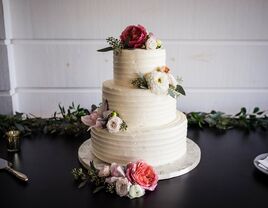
<point>157,146</point>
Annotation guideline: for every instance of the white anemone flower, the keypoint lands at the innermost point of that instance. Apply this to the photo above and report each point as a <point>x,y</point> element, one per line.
<point>157,82</point>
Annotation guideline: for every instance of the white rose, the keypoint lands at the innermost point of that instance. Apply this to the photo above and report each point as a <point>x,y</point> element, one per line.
<point>172,80</point>
<point>136,191</point>
<point>114,124</point>
<point>157,82</point>
<point>122,186</point>
<point>151,43</point>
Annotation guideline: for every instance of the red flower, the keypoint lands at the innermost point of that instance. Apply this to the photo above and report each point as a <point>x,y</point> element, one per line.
<point>133,36</point>
<point>143,174</point>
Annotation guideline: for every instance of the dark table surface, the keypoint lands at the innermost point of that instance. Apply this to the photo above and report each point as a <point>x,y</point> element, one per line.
<point>225,177</point>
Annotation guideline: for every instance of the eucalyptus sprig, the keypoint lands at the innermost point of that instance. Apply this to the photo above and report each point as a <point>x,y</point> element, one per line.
<point>115,45</point>
<point>219,120</point>
<point>140,82</point>
<point>176,91</point>
<point>92,176</point>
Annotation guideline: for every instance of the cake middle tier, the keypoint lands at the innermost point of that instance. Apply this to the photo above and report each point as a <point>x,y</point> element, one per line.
<point>139,108</point>
<point>157,146</point>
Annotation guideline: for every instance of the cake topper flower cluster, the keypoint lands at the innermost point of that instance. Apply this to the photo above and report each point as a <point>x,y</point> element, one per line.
<point>133,37</point>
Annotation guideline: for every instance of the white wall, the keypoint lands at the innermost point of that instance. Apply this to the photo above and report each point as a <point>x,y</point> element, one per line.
<point>220,48</point>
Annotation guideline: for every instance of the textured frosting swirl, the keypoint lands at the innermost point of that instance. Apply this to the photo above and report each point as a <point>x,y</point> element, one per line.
<point>156,146</point>
<point>129,63</point>
<point>156,130</point>
<point>139,107</point>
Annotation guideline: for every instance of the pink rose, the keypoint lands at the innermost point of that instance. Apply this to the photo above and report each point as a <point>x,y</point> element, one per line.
<point>90,120</point>
<point>117,170</point>
<point>143,174</point>
<point>134,36</point>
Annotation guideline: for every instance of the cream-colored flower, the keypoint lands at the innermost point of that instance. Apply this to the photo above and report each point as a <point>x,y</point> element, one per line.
<point>114,124</point>
<point>157,82</point>
<point>151,43</point>
<point>122,186</point>
<point>172,80</point>
<point>136,191</point>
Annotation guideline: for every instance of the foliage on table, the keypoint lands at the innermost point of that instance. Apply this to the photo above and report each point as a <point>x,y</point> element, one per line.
<point>243,120</point>
<point>68,121</point>
<point>63,122</point>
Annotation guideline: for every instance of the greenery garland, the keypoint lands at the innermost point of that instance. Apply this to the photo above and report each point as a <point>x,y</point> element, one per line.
<point>68,121</point>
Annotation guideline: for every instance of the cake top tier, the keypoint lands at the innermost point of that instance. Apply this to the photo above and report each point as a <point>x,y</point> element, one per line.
<point>130,63</point>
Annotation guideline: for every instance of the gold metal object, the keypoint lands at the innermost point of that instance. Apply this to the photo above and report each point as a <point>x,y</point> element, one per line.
<point>13,141</point>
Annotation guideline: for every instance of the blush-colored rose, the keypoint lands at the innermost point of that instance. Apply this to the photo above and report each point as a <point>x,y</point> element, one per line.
<point>143,174</point>
<point>134,36</point>
<point>122,186</point>
<point>114,124</point>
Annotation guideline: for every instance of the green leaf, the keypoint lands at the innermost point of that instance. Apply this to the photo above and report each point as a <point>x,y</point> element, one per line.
<point>19,126</point>
<point>92,166</point>
<point>105,49</point>
<point>261,112</point>
<point>256,109</point>
<point>93,107</point>
<point>180,89</point>
<point>243,110</point>
<point>82,184</point>
<point>97,189</point>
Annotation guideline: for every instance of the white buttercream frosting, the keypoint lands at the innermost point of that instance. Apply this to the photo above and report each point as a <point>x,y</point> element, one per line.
<point>130,63</point>
<point>156,130</point>
<point>139,107</point>
<point>156,146</point>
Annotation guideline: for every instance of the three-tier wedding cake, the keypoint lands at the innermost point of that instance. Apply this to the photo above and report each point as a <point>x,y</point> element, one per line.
<point>156,131</point>
<point>138,119</point>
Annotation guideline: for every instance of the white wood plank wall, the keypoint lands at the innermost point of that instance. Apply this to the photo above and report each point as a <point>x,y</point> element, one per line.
<point>220,48</point>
